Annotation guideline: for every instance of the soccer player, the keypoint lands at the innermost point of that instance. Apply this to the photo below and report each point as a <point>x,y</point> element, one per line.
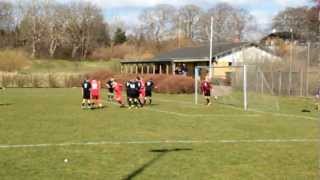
<point>206,90</point>
<point>118,93</point>
<point>142,91</point>
<point>149,87</point>
<point>133,93</point>
<point>110,87</point>
<point>86,95</point>
<point>95,93</point>
<point>129,88</point>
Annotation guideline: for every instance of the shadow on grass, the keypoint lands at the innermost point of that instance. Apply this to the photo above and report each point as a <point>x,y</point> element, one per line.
<point>6,104</point>
<point>151,105</point>
<point>160,154</point>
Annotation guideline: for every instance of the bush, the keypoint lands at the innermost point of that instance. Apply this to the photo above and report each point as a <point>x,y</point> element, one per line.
<point>21,80</point>
<point>102,75</point>
<point>174,84</point>
<point>115,52</point>
<point>13,60</point>
<point>6,80</point>
<point>35,81</point>
<point>165,83</point>
<point>71,81</point>
<point>52,81</point>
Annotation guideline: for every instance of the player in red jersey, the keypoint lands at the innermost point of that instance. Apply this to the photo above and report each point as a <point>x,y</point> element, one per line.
<point>142,90</point>
<point>95,93</point>
<point>118,93</point>
<point>206,88</point>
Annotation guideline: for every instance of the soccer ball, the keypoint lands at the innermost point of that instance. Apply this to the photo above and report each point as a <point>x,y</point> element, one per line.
<point>215,97</point>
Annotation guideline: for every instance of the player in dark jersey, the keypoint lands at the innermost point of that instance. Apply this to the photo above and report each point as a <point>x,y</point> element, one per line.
<point>110,88</point>
<point>149,87</point>
<point>133,93</point>
<point>206,90</point>
<point>86,95</point>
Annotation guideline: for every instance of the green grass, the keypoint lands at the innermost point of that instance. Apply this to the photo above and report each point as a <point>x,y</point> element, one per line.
<point>42,116</point>
<point>40,66</point>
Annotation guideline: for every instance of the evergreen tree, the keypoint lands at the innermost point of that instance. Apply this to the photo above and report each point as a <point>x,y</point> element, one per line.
<point>119,37</point>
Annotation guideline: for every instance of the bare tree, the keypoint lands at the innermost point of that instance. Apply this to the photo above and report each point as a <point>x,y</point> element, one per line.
<point>56,27</point>
<point>33,24</point>
<point>229,22</point>
<point>188,18</point>
<point>158,22</point>
<point>8,24</point>
<point>84,21</point>
<point>295,19</point>
<point>6,16</point>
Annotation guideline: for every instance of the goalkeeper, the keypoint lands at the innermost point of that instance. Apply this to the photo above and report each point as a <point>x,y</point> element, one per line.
<point>206,88</point>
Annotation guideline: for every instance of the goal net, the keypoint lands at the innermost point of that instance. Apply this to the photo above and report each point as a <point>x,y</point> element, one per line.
<point>244,87</point>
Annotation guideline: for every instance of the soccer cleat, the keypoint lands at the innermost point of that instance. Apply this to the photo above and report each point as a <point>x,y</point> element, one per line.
<point>209,104</point>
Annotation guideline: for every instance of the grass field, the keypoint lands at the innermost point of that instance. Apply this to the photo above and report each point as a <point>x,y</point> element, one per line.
<point>172,139</point>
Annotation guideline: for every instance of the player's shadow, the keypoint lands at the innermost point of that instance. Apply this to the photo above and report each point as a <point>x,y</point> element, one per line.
<point>151,105</point>
<point>160,153</point>
<point>5,104</point>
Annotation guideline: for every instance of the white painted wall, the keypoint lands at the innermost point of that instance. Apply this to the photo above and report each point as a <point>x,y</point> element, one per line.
<point>249,55</point>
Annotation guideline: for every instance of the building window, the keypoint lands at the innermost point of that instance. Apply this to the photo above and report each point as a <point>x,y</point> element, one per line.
<point>229,63</point>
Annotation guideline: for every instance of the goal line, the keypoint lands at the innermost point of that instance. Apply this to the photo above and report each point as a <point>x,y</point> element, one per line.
<point>227,141</point>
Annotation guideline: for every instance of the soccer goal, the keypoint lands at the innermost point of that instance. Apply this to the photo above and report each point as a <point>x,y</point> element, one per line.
<point>246,87</point>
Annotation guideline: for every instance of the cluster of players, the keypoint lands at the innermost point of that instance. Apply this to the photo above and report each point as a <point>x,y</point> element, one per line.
<point>138,93</point>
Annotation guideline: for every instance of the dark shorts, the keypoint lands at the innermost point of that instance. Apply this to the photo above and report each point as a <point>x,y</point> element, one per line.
<point>86,95</point>
<point>148,93</point>
<point>207,93</point>
<point>135,95</point>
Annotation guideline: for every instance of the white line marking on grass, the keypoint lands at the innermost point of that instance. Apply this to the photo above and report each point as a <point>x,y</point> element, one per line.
<point>254,141</point>
<point>256,111</point>
<point>197,115</point>
<point>202,115</point>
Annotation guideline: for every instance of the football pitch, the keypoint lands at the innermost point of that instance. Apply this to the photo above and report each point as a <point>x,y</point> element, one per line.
<point>44,134</point>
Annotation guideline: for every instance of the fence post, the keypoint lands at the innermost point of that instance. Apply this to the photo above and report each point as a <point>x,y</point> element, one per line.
<point>196,85</point>
<point>148,69</point>
<point>1,79</point>
<point>280,83</point>
<point>245,102</point>
<point>261,79</point>
<point>301,82</point>
<point>307,70</point>
<point>272,80</point>
<point>257,80</point>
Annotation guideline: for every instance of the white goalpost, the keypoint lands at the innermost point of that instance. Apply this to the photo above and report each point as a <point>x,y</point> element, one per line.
<point>243,86</point>
<point>198,74</point>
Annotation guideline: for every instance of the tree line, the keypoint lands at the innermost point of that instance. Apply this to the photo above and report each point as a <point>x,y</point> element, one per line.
<point>75,29</point>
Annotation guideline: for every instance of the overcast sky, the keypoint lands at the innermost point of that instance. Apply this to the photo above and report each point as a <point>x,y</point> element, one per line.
<point>128,10</point>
